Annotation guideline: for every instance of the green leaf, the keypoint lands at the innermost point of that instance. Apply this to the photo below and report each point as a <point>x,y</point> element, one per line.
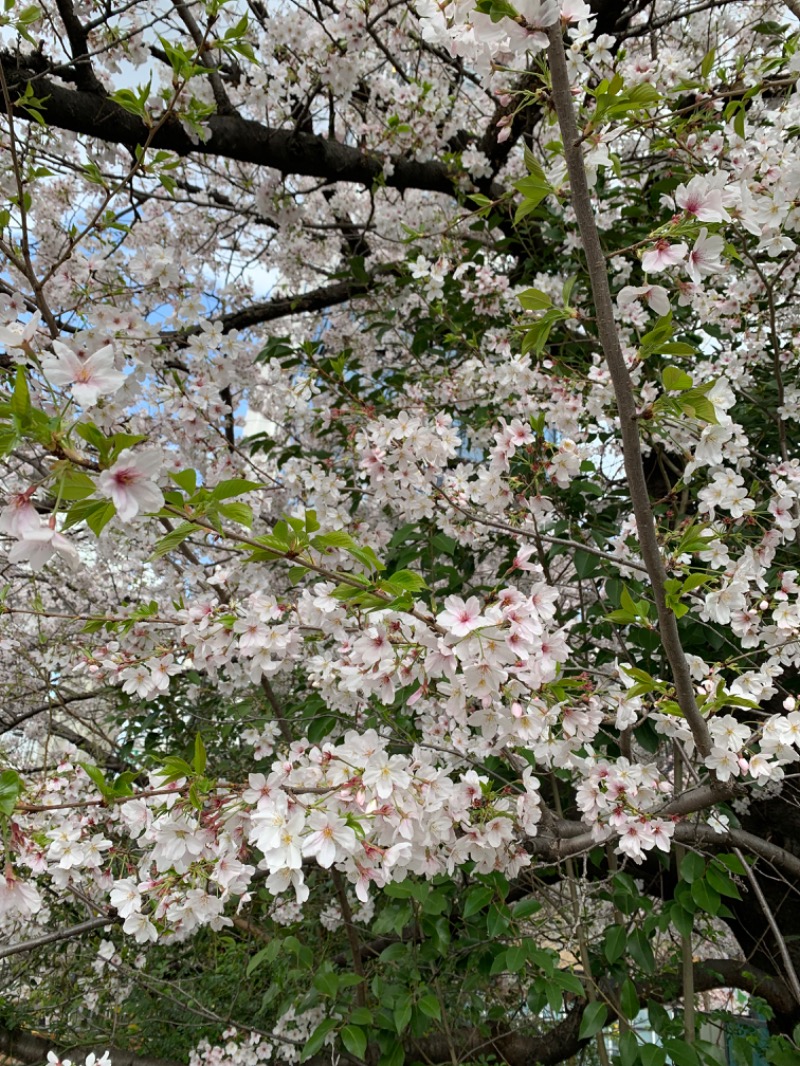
<point>317,1038</point>
<point>239,512</point>
<point>337,538</point>
<point>675,380</point>
<point>200,757</point>
<point>128,100</point>
<point>476,899</point>
<point>622,617</point>
<point>626,601</point>
<point>516,958</point>
<point>616,940</point>
<point>628,999</point>
<point>681,919</point>
<point>681,1053</point>
<point>430,1007</point>
<point>326,982</point>
<point>186,480</point>
<point>172,539</point>
<point>569,982</point>
<point>394,1055</point>
<point>403,581</point>
<point>402,1014</point>
<point>97,777</point>
<point>122,783</point>
<point>355,1040</point>
<point>628,1049</point>
<point>593,1020</point>
<point>267,954</point>
<point>175,768</point>
<point>659,1018</point>
<point>233,487</point>
<point>74,485</point>
<point>99,517</point>
<point>21,397</point>
<point>652,1055</point>
<point>696,404</point>
<point>10,789</point>
<point>706,898</point>
<point>641,950</point>
<point>498,920</point>
<point>9,438</point>
<point>696,581</point>
<point>555,997</point>
<point>733,863</point>
<point>719,879</point>
<point>677,348</point>
<point>525,908</point>
<point>534,300</point>
<point>361,1016</point>
<point>692,867</point>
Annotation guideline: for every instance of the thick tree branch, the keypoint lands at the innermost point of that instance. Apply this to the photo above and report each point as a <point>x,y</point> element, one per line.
<point>230,136</point>
<point>732,973</point>
<point>85,76</point>
<point>748,842</point>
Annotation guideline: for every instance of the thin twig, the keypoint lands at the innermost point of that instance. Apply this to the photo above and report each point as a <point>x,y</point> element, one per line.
<point>791,973</point>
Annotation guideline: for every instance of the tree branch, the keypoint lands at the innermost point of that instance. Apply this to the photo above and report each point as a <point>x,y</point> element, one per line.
<point>230,136</point>
<point>319,299</point>
<point>59,934</point>
<point>623,390</point>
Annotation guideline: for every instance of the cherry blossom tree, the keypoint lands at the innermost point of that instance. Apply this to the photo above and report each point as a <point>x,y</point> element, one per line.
<point>400,611</point>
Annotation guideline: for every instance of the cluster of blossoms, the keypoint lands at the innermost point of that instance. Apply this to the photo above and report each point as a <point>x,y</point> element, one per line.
<point>242,1048</point>
<point>373,815</point>
<point>488,43</point>
<point>624,799</point>
<point>405,457</point>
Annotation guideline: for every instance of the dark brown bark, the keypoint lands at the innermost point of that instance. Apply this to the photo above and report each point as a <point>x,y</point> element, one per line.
<point>231,137</point>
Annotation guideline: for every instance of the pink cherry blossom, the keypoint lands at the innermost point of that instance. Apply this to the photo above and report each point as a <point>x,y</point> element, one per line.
<point>18,897</point>
<point>459,616</point>
<point>701,199</point>
<point>18,338</point>
<point>704,258</point>
<point>575,10</point>
<point>330,838</point>
<point>88,378</point>
<point>130,483</point>
<point>38,544</point>
<point>655,296</point>
<point>663,255</point>
<point>18,515</point>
